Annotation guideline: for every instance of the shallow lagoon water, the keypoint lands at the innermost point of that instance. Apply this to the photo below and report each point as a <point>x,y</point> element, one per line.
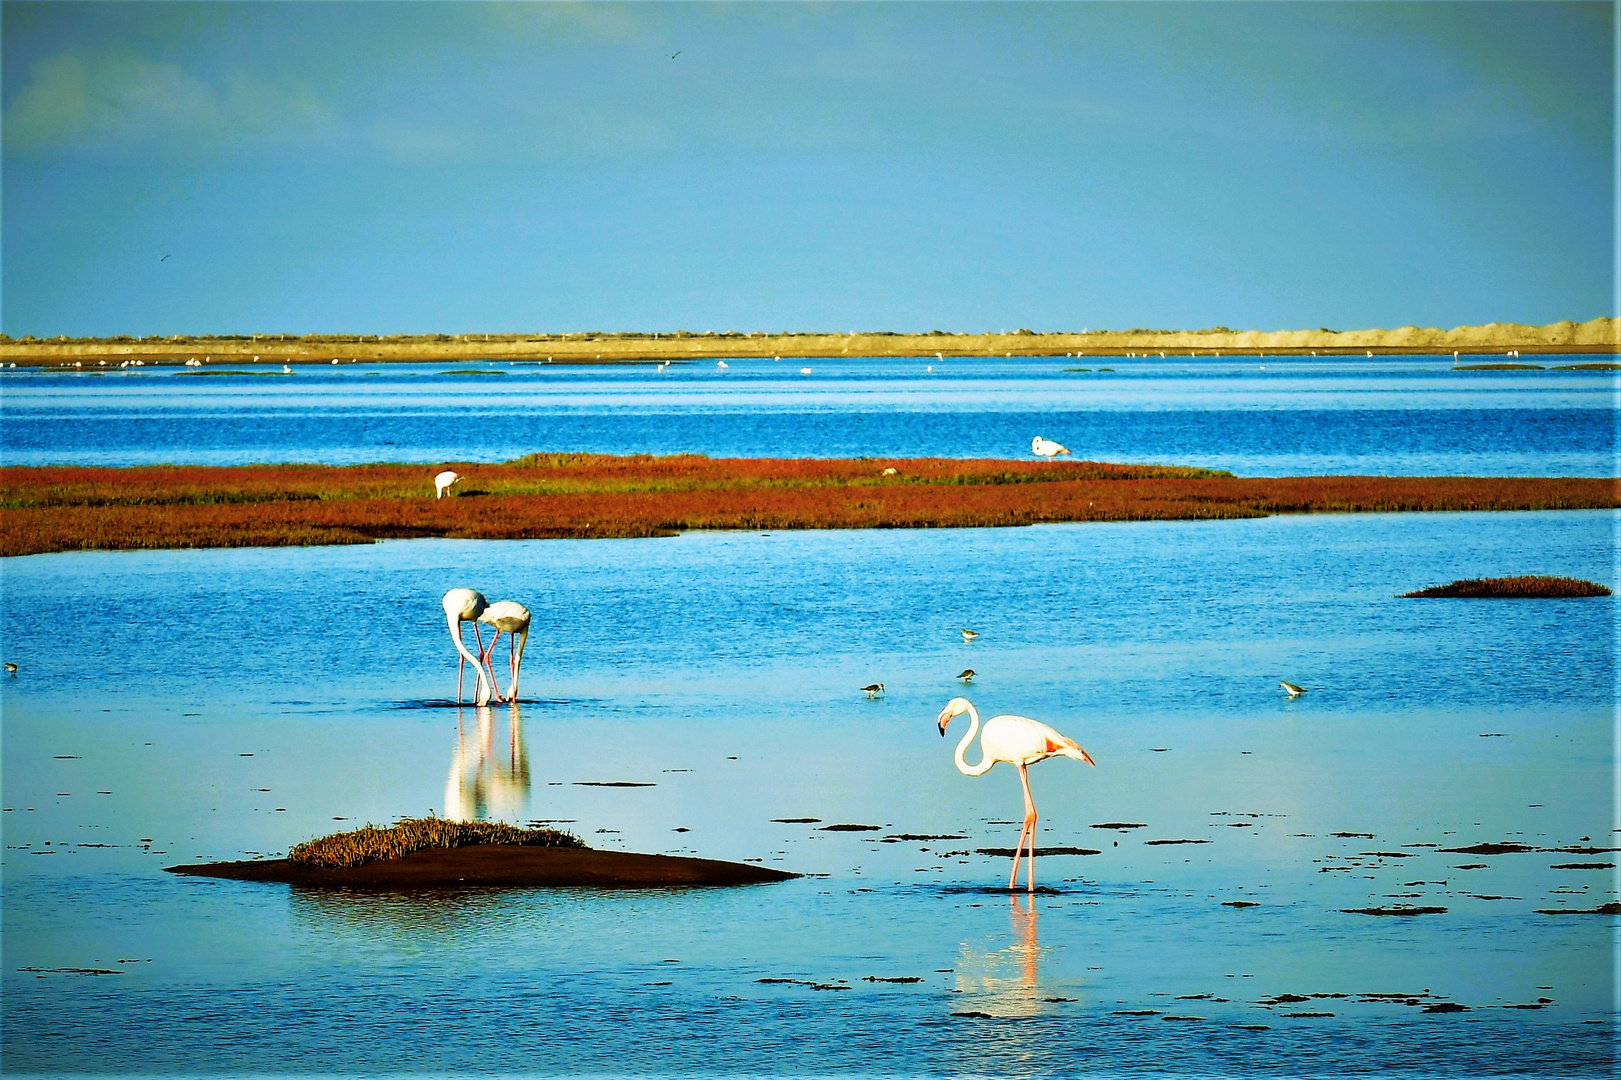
<point>1256,416</point>
<point>224,704</point>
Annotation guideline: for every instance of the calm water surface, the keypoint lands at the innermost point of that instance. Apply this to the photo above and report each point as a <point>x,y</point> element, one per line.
<point>1270,416</point>
<point>177,706</point>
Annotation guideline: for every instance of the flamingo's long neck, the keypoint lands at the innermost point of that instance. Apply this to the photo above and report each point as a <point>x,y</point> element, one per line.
<point>985,763</point>
<point>478,668</point>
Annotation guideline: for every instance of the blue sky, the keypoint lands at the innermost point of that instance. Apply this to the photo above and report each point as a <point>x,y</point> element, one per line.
<point>454,167</point>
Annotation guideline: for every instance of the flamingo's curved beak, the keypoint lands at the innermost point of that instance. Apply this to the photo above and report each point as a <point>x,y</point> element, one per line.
<point>944,718</point>
<point>1087,758</point>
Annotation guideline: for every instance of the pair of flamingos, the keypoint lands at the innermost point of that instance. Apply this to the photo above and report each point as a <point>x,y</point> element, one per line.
<point>505,616</point>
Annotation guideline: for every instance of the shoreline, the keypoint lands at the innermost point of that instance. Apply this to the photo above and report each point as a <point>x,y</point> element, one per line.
<point>45,509</point>
<point>1600,336</point>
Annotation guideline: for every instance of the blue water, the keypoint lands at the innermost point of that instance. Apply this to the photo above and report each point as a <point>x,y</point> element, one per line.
<point>179,706</point>
<point>1270,416</point>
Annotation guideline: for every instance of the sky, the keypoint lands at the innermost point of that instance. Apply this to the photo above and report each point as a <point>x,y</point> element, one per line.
<point>428,167</point>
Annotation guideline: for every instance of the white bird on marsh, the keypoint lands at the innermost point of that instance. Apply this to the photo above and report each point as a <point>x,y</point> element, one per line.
<point>442,482</point>
<point>1046,448</point>
<point>1291,689</point>
<point>1021,742</point>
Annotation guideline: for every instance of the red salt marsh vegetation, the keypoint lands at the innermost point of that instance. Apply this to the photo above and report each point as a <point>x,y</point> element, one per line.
<point>62,508</point>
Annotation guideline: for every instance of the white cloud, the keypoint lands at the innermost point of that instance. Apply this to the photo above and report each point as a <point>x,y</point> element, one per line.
<point>70,103</point>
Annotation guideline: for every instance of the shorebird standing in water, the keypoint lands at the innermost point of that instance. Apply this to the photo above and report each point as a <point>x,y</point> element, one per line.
<point>874,690</point>
<point>11,669</point>
<point>967,675</point>
<point>1293,690</point>
<point>969,635</point>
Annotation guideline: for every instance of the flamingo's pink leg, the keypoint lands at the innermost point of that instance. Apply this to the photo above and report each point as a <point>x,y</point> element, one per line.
<point>485,656</point>
<point>1030,829</point>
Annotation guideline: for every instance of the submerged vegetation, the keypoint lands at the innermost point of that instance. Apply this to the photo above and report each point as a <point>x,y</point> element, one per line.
<point>72,508</point>
<point>375,843</point>
<point>1516,588</point>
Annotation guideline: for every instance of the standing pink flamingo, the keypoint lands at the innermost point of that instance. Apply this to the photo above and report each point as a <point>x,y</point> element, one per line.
<point>466,605</point>
<point>510,617</point>
<point>1019,741</point>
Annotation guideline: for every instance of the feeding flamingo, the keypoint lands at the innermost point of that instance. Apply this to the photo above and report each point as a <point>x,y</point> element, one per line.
<point>1019,741</point>
<point>466,605</point>
<point>511,618</point>
<point>442,482</point>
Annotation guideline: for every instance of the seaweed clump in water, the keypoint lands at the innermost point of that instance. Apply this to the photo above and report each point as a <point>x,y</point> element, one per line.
<point>1514,588</point>
<point>376,843</point>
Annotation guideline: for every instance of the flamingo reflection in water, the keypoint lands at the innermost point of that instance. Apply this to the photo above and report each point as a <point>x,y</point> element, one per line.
<point>1005,982</point>
<point>485,784</point>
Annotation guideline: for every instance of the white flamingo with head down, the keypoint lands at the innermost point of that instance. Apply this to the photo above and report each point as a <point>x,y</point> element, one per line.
<point>511,618</point>
<point>1019,741</point>
<point>466,605</point>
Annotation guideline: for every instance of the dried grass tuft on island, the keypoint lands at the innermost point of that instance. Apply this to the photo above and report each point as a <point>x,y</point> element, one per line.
<point>1529,587</point>
<point>374,842</point>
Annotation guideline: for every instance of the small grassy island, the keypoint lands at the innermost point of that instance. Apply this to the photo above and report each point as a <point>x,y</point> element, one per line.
<point>1513,588</point>
<point>434,852</point>
<point>597,496</point>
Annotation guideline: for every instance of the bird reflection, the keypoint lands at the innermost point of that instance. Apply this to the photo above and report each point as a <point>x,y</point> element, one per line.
<point>486,783</point>
<point>1004,982</point>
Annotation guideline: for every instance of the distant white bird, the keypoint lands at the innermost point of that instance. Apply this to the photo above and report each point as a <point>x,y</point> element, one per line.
<point>967,674</point>
<point>969,635</point>
<point>442,482</point>
<point>722,364</point>
<point>804,371</point>
<point>1046,448</point>
<point>874,690</point>
<point>285,370</point>
<point>889,471</point>
<point>1293,690</point>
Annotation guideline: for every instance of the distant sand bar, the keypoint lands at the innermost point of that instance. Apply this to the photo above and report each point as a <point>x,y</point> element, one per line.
<point>1595,336</point>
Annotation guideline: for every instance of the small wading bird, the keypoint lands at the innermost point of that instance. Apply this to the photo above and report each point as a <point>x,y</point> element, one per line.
<point>442,482</point>
<point>11,669</point>
<point>1021,742</point>
<point>967,675</point>
<point>1046,448</point>
<point>511,618</point>
<point>1292,690</point>
<point>466,605</point>
<point>874,690</point>
<point>969,635</point>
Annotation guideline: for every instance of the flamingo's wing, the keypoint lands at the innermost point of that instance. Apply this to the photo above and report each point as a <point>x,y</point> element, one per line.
<point>1021,739</point>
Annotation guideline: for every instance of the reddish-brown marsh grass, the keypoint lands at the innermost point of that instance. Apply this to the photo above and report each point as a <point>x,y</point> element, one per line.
<point>374,842</point>
<point>586,495</point>
<point>1528,587</point>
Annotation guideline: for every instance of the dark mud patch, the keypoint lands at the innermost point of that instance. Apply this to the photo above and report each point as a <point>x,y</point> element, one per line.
<point>900,837</point>
<point>1396,909</point>
<point>1157,843</point>
<point>851,828</point>
<point>1007,852</point>
<point>613,783</point>
<point>797,820</point>
<point>1503,847</point>
<point>891,979</point>
<point>1120,825</point>
<point>1612,908</point>
<point>1347,835</point>
<point>1239,903</point>
<point>1582,866</point>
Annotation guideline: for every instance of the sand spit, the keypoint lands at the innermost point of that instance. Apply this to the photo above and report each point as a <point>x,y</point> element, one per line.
<point>590,347</point>
<point>499,865</point>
